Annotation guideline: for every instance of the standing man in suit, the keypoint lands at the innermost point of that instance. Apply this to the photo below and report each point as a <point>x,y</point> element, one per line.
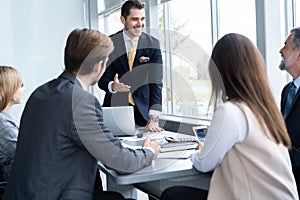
<point>62,136</point>
<point>134,73</point>
<point>290,97</point>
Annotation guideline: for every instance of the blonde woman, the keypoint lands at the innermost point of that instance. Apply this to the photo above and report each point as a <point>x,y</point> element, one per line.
<point>11,93</point>
<point>247,143</point>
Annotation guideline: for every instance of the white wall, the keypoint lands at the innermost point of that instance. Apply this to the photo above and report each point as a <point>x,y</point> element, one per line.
<point>32,38</point>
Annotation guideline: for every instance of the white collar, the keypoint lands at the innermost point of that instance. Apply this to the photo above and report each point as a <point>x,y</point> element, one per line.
<point>297,82</point>
<point>127,38</point>
<point>83,85</point>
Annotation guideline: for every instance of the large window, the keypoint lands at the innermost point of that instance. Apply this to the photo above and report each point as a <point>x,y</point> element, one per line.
<point>187,32</point>
<point>191,30</point>
<point>240,20</point>
<point>109,16</point>
<point>297,12</point>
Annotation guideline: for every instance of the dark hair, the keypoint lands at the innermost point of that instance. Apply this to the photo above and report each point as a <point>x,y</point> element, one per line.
<point>296,38</point>
<point>85,48</point>
<point>125,10</point>
<point>237,72</point>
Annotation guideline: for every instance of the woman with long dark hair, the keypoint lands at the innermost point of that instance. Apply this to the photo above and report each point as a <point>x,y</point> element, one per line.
<point>247,142</point>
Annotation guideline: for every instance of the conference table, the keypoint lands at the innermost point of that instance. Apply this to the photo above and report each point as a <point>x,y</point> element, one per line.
<point>171,168</point>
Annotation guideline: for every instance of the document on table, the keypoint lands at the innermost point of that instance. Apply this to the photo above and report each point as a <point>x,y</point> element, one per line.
<point>178,146</point>
<point>185,154</point>
<point>135,142</point>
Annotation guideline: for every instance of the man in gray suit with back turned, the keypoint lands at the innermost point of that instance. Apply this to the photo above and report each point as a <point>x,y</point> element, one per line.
<point>62,135</point>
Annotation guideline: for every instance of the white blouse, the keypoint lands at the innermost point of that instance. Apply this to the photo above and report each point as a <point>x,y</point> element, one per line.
<point>228,127</point>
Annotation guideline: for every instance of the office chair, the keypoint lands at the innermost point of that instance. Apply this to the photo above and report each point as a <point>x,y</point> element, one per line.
<point>2,188</point>
<point>184,192</point>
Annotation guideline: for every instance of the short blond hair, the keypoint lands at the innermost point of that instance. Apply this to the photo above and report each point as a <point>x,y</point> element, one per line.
<point>10,82</point>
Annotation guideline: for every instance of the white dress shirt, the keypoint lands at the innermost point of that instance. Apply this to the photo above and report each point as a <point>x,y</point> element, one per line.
<point>228,127</point>
<point>127,46</point>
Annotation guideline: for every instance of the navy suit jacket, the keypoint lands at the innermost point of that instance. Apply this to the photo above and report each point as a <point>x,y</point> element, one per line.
<point>61,139</point>
<point>145,79</point>
<point>292,121</point>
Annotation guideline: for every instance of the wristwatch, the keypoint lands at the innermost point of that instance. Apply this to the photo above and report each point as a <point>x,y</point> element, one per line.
<point>155,118</point>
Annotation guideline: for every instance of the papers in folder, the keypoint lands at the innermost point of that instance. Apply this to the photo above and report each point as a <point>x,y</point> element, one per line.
<point>181,141</point>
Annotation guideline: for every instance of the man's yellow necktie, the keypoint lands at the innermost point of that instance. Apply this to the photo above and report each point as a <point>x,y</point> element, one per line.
<point>131,56</point>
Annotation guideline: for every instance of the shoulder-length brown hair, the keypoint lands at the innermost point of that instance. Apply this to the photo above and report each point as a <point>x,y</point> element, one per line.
<point>10,82</point>
<point>238,74</point>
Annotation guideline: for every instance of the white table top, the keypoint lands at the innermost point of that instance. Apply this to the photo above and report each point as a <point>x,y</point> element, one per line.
<point>167,165</point>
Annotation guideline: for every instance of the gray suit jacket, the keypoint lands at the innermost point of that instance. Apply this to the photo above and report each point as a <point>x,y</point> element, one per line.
<point>62,136</point>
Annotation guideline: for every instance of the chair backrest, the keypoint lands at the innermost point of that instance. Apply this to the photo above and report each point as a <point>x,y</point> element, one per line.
<point>3,183</point>
<point>2,188</point>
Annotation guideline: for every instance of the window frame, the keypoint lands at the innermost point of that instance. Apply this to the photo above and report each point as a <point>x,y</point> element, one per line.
<point>262,21</point>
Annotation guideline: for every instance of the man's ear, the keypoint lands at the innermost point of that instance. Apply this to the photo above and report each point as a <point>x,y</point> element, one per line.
<point>122,20</point>
<point>298,55</point>
<point>98,66</point>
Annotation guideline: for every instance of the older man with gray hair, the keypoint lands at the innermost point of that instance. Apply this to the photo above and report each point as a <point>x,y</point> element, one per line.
<point>290,97</point>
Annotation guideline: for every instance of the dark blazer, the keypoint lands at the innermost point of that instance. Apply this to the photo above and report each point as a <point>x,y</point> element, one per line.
<point>292,123</point>
<point>145,79</point>
<point>61,137</point>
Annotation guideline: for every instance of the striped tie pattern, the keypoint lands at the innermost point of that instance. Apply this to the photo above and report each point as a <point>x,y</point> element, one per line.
<point>290,98</point>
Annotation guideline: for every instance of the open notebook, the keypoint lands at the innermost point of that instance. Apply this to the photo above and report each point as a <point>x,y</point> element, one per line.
<point>120,120</point>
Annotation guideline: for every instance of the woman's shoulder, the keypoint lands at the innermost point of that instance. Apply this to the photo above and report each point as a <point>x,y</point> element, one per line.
<point>232,106</point>
<point>6,120</point>
<point>230,112</point>
<point>4,116</point>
